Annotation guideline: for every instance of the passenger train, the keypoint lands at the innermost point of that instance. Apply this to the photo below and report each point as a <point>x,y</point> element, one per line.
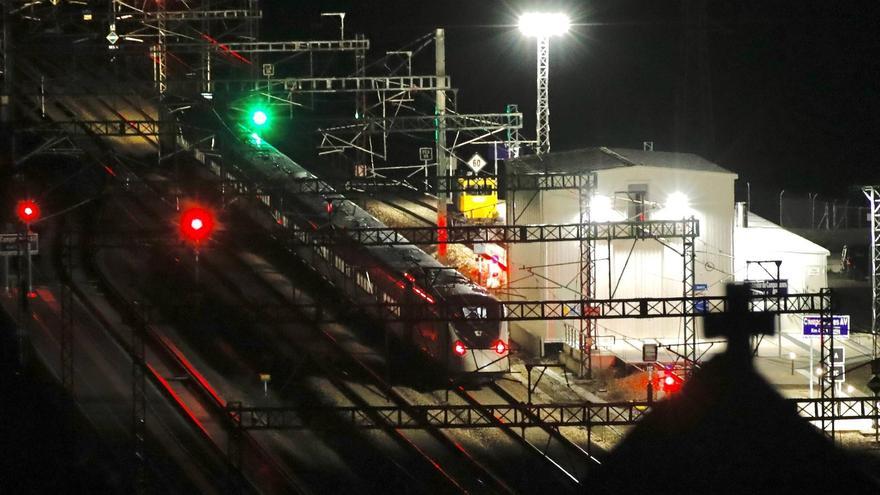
<point>475,341</point>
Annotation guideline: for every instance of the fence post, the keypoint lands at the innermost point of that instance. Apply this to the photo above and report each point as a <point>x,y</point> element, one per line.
<point>780,206</point>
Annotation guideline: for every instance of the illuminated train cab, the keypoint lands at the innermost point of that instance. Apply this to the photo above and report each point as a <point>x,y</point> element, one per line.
<point>475,342</point>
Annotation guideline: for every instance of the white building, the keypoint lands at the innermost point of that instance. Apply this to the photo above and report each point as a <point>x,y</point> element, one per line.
<point>760,243</point>
<point>632,185</point>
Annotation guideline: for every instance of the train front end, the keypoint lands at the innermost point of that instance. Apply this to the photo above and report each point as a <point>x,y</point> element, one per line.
<point>479,342</point>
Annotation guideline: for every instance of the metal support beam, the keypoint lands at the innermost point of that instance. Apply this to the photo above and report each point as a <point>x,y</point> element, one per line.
<point>150,17</point>
<point>587,278</point>
<point>7,109</point>
<point>336,84</point>
<point>574,309</point>
<point>160,50</point>
<point>441,152</point>
<point>485,416</point>
<point>314,185</point>
<point>827,380</point>
<point>276,46</point>
<point>384,236</point>
<point>872,193</point>
<point>688,255</point>
<point>108,128</point>
<point>428,123</point>
<point>234,450</point>
<point>543,103</point>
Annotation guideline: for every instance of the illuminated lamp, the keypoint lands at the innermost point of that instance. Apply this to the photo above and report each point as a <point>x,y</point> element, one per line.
<point>543,25</point>
<point>500,347</point>
<point>28,210</point>
<point>677,205</point>
<point>601,210</point>
<point>196,224</point>
<point>259,117</point>
<point>459,348</point>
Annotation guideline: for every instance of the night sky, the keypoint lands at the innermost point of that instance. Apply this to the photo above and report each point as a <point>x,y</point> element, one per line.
<point>793,84</point>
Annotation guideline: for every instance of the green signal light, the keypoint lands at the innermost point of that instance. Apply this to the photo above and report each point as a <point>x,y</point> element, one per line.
<point>259,117</point>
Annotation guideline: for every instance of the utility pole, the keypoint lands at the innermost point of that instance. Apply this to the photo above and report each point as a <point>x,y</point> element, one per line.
<point>7,142</point>
<point>440,138</point>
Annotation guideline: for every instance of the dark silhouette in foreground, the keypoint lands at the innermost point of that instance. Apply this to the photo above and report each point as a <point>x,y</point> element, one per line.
<point>729,431</point>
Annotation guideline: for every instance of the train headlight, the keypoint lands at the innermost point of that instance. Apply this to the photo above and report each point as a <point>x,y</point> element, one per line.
<point>459,348</point>
<point>500,347</point>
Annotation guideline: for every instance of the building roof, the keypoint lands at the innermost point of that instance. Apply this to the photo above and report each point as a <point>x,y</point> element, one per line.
<point>602,158</point>
<point>770,237</point>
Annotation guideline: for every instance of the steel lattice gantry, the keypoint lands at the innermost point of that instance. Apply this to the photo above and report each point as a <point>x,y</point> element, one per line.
<point>156,16</point>
<point>543,104</point>
<point>385,236</point>
<point>572,309</point>
<point>688,257</point>
<point>296,85</point>
<point>827,379</point>
<point>872,193</point>
<point>109,128</point>
<point>485,416</point>
<point>428,123</point>
<point>514,182</point>
<point>292,46</point>
<point>587,273</point>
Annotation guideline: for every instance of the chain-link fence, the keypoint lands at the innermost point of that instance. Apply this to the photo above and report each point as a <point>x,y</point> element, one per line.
<point>810,210</point>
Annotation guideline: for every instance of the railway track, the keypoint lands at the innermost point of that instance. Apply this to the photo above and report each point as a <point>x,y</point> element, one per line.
<point>375,370</point>
<point>415,209</point>
<point>166,367</point>
<point>175,364</point>
<point>173,374</point>
<point>453,484</point>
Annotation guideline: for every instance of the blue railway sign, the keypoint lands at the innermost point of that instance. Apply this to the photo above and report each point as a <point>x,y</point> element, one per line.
<point>839,325</point>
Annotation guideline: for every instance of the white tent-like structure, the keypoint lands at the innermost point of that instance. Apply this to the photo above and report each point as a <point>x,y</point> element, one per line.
<point>803,263</point>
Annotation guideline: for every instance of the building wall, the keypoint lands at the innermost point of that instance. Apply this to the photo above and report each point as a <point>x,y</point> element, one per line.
<point>642,268</point>
<point>804,264</point>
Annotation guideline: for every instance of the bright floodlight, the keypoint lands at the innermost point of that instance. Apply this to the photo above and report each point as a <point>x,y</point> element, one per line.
<point>602,210</point>
<point>541,25</point>
<point>677,201</point>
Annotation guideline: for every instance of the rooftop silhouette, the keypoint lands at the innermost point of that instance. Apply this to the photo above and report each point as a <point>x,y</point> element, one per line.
<point>729,431</point>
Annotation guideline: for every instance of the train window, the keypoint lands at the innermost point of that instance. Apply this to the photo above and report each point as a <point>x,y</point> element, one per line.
<point>340,264</point>
<point>386,299</point>
<point>364,282</point>
<point>475,312</point>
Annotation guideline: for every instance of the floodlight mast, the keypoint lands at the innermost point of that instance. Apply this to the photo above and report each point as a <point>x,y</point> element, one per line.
<point>543,26</point>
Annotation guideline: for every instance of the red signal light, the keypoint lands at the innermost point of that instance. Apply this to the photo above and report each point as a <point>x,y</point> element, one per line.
<point>196,224</point>
<point>671,383</point>
<point>459,348</point>
<point>500,347</point>
<point>28,211</point>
